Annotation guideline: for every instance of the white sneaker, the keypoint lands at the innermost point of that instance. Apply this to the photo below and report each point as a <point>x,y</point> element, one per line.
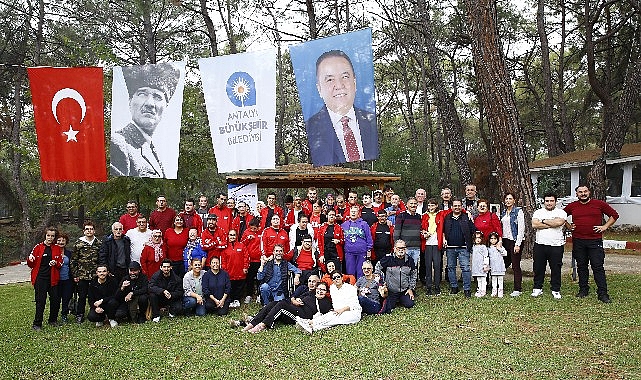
<point>556,295</point>
<point>258,299</point>
<point>537,292</point>
<point>98,324</point>
<point>171,315</point>
<point>156,319</point>
<point>515,293</point>
<point>113,323</point>
<point>248,299</point>
<point>234,304</point>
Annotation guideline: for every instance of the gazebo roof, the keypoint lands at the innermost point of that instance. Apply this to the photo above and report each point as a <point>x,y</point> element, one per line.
<point>629,152</point>
<point>305,175</point>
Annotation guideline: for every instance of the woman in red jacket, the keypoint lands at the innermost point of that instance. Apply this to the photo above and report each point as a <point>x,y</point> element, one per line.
<point>175,241</point>
<point>487,221</point>
<point>235,261</point>
<point>45,261</point>
<point>153,253</point>
<point>331,240</point>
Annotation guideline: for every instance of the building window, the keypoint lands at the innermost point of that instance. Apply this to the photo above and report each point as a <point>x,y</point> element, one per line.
<point>614,180</point>
<point>556,181</point>
<point>636,180</point>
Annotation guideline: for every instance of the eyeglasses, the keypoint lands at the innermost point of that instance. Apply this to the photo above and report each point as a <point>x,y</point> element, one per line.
<point>321,290</point>
<point>232,234</point>
<point>336,277</point>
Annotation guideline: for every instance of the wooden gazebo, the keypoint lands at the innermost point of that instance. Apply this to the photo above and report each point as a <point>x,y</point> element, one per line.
<point>305,175</point>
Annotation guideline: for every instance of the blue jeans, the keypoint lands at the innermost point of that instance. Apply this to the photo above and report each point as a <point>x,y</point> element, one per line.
<point>369,306</point>
<point>267,294</point>
<point>189,303</point>
<point>415,254</point>
<point>462,255</point>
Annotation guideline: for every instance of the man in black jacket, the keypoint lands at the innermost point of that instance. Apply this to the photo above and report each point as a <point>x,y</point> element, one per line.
<point>132,295</point>
<point>115,252</point>
<point>102,300</point>
<point>457,237</point>
<point>165,289</point>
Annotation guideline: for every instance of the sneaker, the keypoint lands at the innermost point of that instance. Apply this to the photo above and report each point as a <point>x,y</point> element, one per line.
<point>479,294</point>
<point>582,294</point>
<point>437,291</point>
<point>248,299</point>
<point>515,293</point>
<point>494,292</point>
<point>171,315</point>
<point>80,318</point>
<point>156,319</point>
<point>234,304</point>
<point>304,325</point>
<point>113,323</point>
<point>428,292</point>
<point>537,292</point>
<point>468,293</point>
<point>556,295</point>
<point>64,319</point>
<point>500,293</point>
<point>53,323</point>
<point>99,324</point>
<point>605,298</point>
<point>454,290</point>
<point>257,299</point>
<point>36,328</point>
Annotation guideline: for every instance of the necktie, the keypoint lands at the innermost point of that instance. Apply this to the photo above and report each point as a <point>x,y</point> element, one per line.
<point>350,141</point>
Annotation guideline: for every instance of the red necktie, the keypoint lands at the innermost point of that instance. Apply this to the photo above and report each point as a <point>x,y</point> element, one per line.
<point>350,141</point>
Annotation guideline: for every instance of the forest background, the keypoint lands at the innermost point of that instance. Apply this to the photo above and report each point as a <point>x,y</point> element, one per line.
<point>467,91</point>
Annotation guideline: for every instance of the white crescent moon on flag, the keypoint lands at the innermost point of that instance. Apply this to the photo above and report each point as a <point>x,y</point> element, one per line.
<point>71,94</point>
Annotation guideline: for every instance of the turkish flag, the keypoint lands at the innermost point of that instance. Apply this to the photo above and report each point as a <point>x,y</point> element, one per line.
<point>68,112</point>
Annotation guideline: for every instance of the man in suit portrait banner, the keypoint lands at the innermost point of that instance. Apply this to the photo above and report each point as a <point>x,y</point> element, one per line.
<point>335,80</point>
<point>145,120</point>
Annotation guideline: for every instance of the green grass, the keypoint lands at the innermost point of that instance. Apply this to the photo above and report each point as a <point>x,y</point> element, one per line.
<point>446,337</point>
<point>619,235</point>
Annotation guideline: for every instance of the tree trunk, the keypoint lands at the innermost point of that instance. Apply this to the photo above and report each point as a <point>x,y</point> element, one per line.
<point>447,114</point>
<point>566,127</point>
<point>547,116</point>
<point>502,116</point>
<point>211,30</point>
<point>311,19</point>
<point>148,52</point>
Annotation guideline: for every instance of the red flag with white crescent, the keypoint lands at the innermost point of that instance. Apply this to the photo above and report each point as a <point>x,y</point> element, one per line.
<point>69,117</point>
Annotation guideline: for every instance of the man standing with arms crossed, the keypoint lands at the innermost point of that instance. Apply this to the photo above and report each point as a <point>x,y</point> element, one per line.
<point>587,239</point>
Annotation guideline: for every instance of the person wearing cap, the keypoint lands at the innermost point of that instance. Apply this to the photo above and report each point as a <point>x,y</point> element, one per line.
<point>150,88</point>
<point>213,240</point>
<point>132,295</point>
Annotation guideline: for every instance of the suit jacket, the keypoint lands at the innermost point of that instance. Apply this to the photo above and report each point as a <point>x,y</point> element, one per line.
<point>324,146</point>
<point>127,158</point>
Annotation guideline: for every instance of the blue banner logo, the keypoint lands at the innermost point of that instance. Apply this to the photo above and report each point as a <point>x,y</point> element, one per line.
<point>241,89</point>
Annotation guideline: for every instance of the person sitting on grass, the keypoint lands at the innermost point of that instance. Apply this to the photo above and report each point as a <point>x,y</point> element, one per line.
<point>371,290</point>
<point>296,299</point>
<point>399,272</point>
<point>346,309</point>
<point>193,299</point>
<point>216,288</point>
<point>289,313</point>
<point>102,298</point>
<point>165,289</point>
<point>327,277</point>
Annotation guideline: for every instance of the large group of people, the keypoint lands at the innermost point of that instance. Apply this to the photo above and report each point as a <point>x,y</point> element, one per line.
<point>314,263</point>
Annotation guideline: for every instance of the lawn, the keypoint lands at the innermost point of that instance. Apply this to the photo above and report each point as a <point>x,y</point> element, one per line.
<point>445,337</point>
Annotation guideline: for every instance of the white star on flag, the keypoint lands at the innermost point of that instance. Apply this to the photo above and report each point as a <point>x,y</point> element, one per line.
<point>71,134</point>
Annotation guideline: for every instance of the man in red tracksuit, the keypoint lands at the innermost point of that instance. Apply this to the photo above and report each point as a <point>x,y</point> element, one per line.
<point>273,235</point>
<point>214,239</point>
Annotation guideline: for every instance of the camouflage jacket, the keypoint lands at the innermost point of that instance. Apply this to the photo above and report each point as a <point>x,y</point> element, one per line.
<point>84,258</point>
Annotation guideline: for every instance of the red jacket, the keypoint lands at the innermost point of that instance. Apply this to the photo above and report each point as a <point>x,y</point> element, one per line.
<point>213,242</point>
<point>235,224</point>
<point>271,237</point>
<point>439,226</point>
<point>192,220</point>
<point>148,261</point>
<point>56,255</point>
<point>346,213</point>
<point>488,222</point>
<point>251,241</point>
<point>373,232</point>
<point>235,261</point>
<point>225,217</point>
<point>307,206</point>
<point>267,223</point>
<point>175,243</point>
<point>338,234</point>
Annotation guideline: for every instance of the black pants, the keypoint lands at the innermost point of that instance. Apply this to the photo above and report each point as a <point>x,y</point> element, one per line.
<point>544,254</point>
<point>590,251</point>
<point>211,307</point>
<point>237,289</point>
<point>65,288</point>
<point>433,262</point>
<point>43,287</point>
<point>109,308</point>
<point>281,310</point>
<point>135,309</point>
<point>251,286</point>
<point>513,259</point>
<point>179,268</point>
<point>83,291</point>
<point>159,300</point>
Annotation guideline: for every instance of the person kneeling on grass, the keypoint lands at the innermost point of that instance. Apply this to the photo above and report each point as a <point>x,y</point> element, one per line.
<point>289,313</point>
<point>165,289</point>
<point>102,298</point>
<point>346,309</point>
<point>400,277</point>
